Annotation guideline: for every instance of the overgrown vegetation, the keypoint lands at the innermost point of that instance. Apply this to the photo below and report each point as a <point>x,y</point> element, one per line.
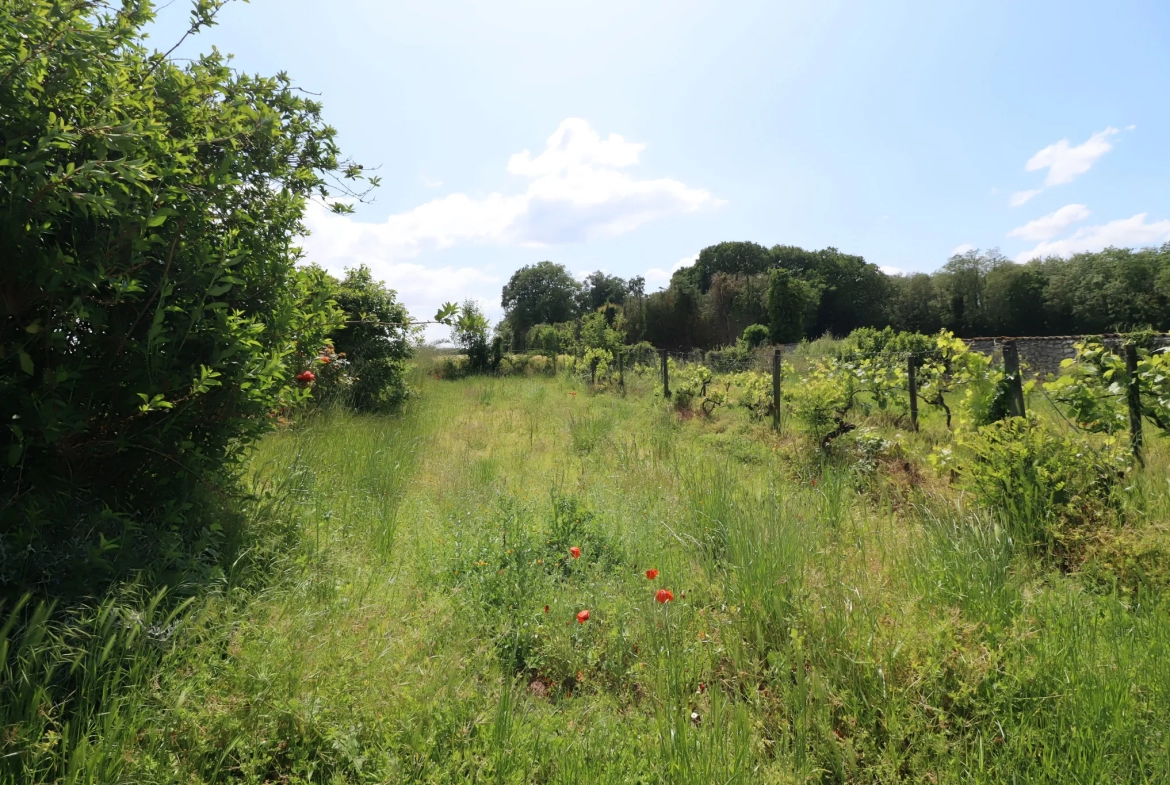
<point>538,569</point>
<point>470,590</point>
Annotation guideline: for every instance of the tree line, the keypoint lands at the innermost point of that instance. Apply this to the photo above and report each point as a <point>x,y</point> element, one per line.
<point>797,293</point>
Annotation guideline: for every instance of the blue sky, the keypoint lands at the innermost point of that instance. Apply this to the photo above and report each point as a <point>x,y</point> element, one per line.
<point>626,136</point>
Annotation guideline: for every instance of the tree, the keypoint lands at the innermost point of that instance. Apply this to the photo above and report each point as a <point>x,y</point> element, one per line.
<point>600,289</point>
<point>789,302</point>
<point>915,304</point>
<point>470,333</point>
<point>374,346</point>
<point>152,312</point>
<point>541,293</point>
<point>735,258</point>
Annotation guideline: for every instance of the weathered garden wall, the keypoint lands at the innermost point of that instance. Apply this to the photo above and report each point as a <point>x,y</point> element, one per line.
<point>1041,355</point>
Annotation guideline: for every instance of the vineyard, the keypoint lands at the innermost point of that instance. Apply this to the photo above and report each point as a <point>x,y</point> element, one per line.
<point>539,577</point>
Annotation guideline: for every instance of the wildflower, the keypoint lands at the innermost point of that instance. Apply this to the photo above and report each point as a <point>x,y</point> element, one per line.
<point>573,393</point>
<point>575,552</point>
<point>546,609</point>
<point>814,483</point>
<point>583,616</point>
<point>651,574</point>
<point>664,596</point>
<point>306,377</point>
<point>324,359</point>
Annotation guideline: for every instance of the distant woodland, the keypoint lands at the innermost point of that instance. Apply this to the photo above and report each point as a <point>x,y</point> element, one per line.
<point>798,293</point>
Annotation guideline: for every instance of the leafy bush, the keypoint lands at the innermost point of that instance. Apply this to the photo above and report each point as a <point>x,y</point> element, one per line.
<point>754,336</point>
<point>153,314</point>
<point>1046,482</point>
<point>365,366</point>
<point>470,333</point>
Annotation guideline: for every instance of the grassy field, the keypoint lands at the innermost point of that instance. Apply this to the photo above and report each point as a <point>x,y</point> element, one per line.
<point>831,621</point>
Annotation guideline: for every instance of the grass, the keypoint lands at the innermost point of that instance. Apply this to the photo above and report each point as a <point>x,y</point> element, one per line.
<point>865,627</point>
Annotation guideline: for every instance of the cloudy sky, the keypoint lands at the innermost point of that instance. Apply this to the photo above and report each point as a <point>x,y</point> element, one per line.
<point>626,136</point>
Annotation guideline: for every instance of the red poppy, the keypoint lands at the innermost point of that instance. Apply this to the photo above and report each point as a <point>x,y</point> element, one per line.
<point>582,617</point>
<point>546,609</point>
<point>575,552</point>
<point>305,377</point>
<point>651,574</point>
<point>664,595</point>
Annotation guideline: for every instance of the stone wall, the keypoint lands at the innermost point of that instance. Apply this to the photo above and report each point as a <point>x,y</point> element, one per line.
<point>1043,355</point>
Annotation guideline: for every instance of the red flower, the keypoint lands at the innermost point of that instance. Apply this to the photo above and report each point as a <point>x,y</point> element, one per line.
<point>664,595</point>
<point>546,609</point>
<point>651,574</point>
<point>582,617</point>
<point>306,377</point>
<point>575,552</point>
<point>814,483</point>
<point>324,359</point>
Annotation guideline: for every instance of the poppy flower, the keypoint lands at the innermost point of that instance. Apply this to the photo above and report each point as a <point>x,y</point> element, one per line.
<point>651,574</point>
<point>575,552</point>
<point>664,596</point>
<point>546,609</point>
<point>305,377</point>
<point>582,616</point>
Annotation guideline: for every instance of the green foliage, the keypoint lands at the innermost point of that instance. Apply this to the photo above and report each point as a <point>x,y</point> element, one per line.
<point>153,315</point>
<point>755,336</point>
<point>790,301</point>
<point>367,366</point>
<point>542,293</point>
<point>599,290</point>
<point>470,334</point>
<point>1047,483</point>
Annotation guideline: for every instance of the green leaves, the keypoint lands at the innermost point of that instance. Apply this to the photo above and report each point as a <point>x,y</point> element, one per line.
<point>150,211</point>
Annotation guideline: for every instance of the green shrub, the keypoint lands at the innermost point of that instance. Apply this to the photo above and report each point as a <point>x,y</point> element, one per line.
<point>370,356</point>
<point>1049,484</point>
<point>153,314</point>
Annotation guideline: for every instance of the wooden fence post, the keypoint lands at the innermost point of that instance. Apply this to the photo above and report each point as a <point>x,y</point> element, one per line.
<point>1134,399</point>
<point>912,383</point>
<point>776,389</point>
<point>621,372</point>
<point>665,377</point>
<point>1011,365</point>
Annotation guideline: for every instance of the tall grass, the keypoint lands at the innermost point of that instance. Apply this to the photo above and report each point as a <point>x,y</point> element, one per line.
<point>417,620</point>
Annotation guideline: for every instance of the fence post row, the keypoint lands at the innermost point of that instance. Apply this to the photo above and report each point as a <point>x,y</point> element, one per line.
<point>776,360</point>
<point>912,383</point>
<point>1134,399</point>
<point>665,377</point>
<point>1011,365</point>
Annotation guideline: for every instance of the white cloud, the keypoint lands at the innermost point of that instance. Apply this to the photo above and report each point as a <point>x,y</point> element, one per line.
<point>959,250</point>
<point>890,270</point>
<point>1019,197</point>
<point>656,275</point>
<point>577,190</point>
<point>428,182</point>
<point>1065,162</point>
<point>1051,225</point>
<point>1122,233</point>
